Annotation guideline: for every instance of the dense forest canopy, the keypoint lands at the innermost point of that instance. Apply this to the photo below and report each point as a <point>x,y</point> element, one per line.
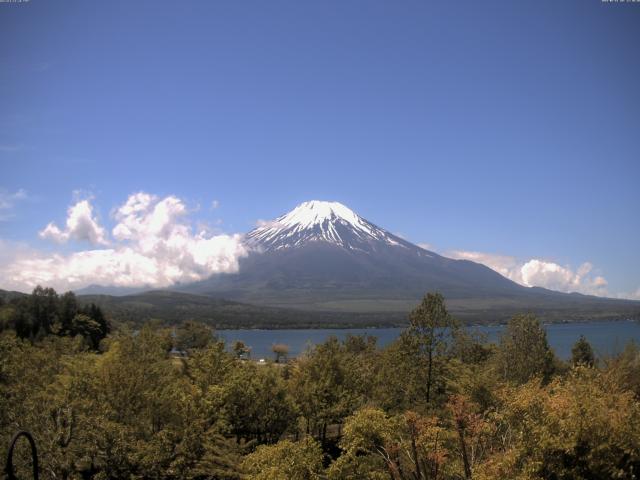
<point>44,312</point>
<point>438,403</point>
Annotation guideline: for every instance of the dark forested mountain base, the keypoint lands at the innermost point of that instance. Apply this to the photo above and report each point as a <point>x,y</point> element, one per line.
<point>174,307</point>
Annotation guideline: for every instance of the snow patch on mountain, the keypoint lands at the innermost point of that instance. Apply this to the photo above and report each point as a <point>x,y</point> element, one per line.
<point>319,221</point>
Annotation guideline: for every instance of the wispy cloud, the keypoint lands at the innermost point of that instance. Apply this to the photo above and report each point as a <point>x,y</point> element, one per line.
<point>8,200</point>
<point>631,295</point>
<point>10,148</point>
<point>41,66</point>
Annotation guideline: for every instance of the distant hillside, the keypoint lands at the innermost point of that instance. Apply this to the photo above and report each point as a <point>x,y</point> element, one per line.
<point>175,307</point>
<point>8,295</point>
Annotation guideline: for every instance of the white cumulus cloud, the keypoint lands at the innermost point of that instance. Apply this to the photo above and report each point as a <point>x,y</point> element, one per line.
<point>153,245</point>
<point>539,273</point>
<point>503,264</point>
<point>556,277</point>
<point>81,225</point>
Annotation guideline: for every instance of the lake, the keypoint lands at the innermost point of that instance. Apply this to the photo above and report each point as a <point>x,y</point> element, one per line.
<point>605,337</point>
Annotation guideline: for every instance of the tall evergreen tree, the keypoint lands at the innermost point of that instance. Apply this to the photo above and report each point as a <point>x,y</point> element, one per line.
<point>67,310</point>
<point>582,353</point>
<point>43,306</point>
<point>434,330</point>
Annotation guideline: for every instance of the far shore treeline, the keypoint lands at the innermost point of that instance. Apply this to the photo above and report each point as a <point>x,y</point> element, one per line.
<point>109,402</point>
<point>172,308</point>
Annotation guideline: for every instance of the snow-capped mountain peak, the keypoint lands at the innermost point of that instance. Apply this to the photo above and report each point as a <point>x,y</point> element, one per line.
<point>316,212</point>
<point>319,221</point>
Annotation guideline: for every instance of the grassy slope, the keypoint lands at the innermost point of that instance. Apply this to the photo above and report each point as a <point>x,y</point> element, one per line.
<point>174,307</point>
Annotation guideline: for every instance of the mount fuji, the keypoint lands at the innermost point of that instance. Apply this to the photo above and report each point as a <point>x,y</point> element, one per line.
<point>323,256</point>
<point>315,221</point>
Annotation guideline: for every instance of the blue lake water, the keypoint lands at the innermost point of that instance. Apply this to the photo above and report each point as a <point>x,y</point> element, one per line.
<point>605,337</point>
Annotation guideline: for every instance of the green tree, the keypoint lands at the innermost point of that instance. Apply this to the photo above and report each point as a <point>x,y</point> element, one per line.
<point>7,317</point>
<point>434,330</point>
<point>208,368</point>
<point>43,311</point>
<point>323,387</point>
<point>150,411</point>
<point>281,352</point>
<point>369,449</point>
<point>624,369</point>
<point>192,336</point>
<point>523,352</point>
<point>219,457</point>
<point>581,426</point>
<point>36,395</point>
<point>96,313</point>
<point>474,433</point>
<point>286,460</point>
<point>400,376</point>
<point>87,328</point>
<point>582,353</point>
<point>405,446</point>
<point>67,310</point>
<point>240,348</point>
<point>255,403</point>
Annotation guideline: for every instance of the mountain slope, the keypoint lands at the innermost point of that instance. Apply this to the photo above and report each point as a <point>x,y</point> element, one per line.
<point>323,256</point>
<point>174,307</point>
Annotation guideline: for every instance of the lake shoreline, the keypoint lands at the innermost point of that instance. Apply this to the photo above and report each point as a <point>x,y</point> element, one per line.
<point>405,325</point>
<point>607,337</point>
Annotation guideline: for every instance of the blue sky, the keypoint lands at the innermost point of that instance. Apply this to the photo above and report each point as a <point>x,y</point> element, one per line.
<point>501,131</point>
